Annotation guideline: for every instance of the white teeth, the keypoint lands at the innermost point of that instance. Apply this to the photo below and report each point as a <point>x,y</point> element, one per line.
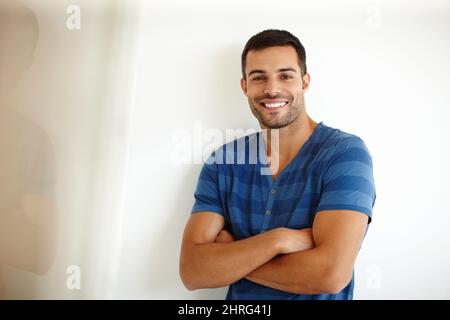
<point>275,105</point>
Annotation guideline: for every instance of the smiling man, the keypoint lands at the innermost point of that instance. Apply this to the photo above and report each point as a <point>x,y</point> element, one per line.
<point>293,234</point>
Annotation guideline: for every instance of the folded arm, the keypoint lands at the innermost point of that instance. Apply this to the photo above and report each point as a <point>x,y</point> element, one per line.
<point>326,268</point>
<point>205,263</point>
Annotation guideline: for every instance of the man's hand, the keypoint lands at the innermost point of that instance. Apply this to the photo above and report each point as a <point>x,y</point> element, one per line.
<point>293,240</point>
<point>206,263</point>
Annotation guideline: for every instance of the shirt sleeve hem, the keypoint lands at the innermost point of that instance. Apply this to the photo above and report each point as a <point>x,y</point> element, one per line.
<point>347,207</point>
<point>207,208</point>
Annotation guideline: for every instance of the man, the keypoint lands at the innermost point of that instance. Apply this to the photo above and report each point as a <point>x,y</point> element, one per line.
<point>294,234</point>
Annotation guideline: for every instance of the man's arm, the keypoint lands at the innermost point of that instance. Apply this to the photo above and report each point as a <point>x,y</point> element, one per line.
<point>326,268</point>
<point>205,263</point>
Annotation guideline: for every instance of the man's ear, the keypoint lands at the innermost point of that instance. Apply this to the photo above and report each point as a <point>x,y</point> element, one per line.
<point>244,86</point>
<point>306,81</point>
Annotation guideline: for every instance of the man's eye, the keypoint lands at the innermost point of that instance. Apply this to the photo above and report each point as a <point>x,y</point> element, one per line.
<point>257,78</point>
<point>286,76</point>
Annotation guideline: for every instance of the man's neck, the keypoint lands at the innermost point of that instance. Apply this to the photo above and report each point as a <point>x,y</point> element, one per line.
<point>290,140</point>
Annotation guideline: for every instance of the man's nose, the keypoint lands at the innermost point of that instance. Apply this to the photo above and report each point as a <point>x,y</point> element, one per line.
<point>272,87</point>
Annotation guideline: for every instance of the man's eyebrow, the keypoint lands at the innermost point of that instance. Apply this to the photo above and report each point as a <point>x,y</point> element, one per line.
<point>279,70</point>
<point>286,69</point>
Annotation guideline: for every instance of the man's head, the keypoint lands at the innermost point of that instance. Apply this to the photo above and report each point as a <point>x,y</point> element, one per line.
<point>274,77</point>
<point>19,34</point>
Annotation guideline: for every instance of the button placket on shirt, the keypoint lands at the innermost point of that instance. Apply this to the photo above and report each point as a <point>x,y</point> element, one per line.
<point>268,212</point>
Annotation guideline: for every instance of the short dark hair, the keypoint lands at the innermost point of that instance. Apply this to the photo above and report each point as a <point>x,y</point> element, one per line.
<point>272,38</point>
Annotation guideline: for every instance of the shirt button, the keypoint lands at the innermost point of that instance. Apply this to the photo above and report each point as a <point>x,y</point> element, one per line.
<point>268,212</point>
<point>273,191</point>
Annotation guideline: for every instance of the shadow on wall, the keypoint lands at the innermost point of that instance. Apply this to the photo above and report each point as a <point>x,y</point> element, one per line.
<point>229,112</point>
<point>27,160</point>
<point>149,262</point>
<point>232,104</point>
<point>163,253</point>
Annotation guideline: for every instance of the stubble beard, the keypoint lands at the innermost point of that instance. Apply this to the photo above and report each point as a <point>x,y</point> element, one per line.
<point>277,121</point>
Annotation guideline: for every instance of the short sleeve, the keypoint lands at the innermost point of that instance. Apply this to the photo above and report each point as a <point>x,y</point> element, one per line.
<point>348,183</point>
<point>207,193</point>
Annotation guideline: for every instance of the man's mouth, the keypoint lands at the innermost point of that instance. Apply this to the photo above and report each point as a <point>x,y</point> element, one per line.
<point>274,104</point>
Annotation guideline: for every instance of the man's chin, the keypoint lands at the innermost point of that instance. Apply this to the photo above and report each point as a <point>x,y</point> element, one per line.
<point>274,125</point>
<point>281,123</point>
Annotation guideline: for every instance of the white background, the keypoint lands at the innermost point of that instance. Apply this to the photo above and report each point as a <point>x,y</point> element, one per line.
<point>142,71</point>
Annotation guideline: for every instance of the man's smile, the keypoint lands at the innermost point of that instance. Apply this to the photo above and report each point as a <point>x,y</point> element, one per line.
<point>274,104</point>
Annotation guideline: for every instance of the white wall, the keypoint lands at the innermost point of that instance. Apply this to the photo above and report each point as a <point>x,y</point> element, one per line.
<point>380,70</point>
<point>114,95</point>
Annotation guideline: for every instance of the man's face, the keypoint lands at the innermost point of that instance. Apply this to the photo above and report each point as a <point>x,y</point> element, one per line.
<point>274,86</point>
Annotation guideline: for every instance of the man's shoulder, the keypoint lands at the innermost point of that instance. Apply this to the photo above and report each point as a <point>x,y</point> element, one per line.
<point>335,143</point>
<point>339,140</point>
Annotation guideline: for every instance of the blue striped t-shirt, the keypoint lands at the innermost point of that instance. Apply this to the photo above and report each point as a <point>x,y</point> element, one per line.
<point>332,171</point>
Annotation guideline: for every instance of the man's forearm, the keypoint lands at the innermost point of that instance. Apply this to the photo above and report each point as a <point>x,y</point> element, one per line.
<point>215,264</point>
<point>303,272</point>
